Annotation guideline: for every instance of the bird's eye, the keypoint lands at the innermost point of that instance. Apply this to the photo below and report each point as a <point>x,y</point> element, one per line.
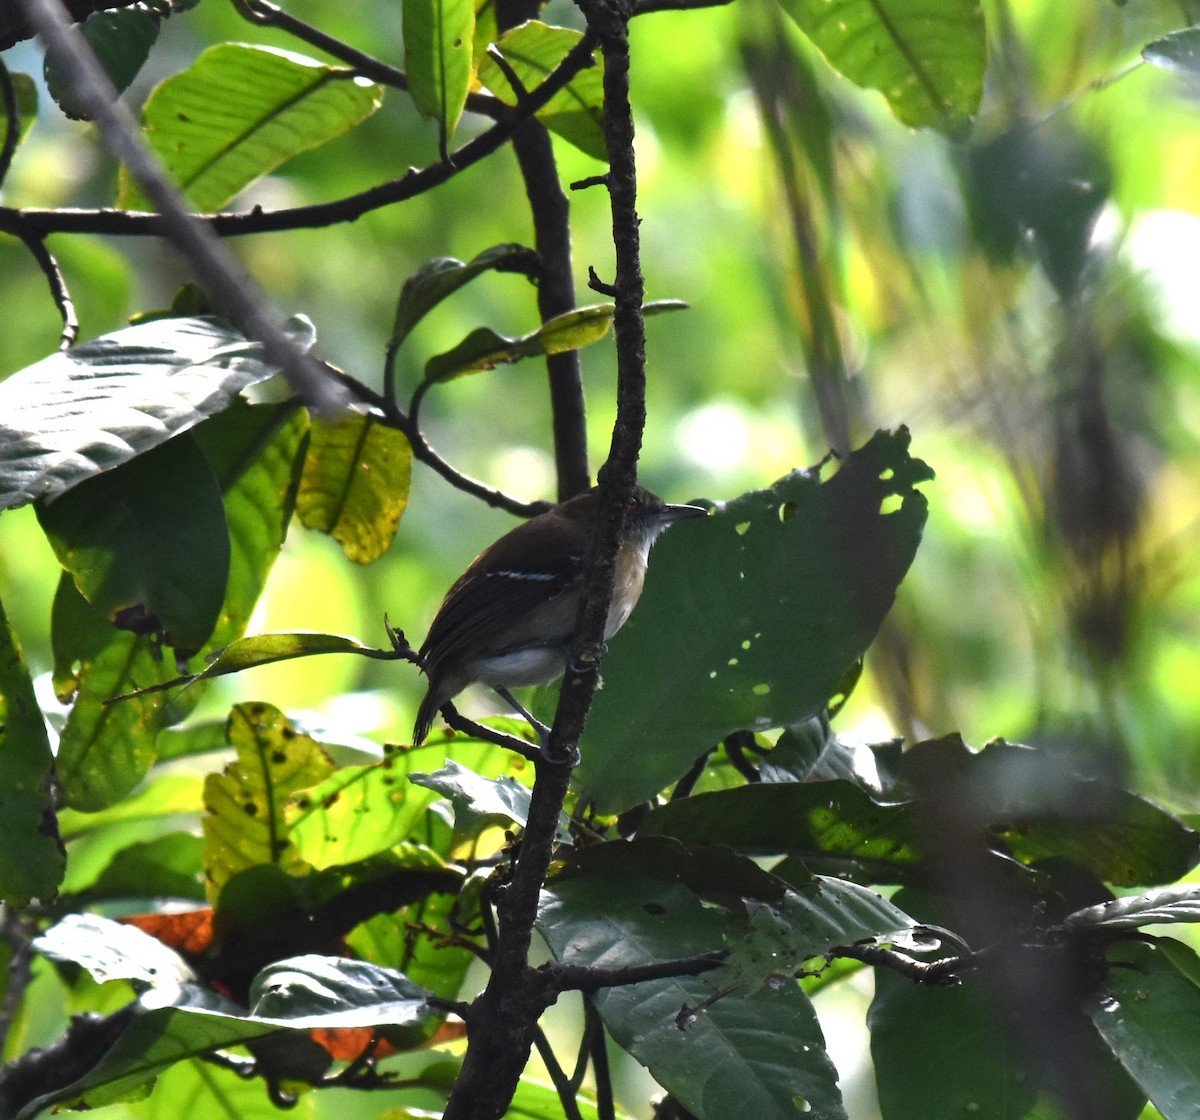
<point>634,504</point>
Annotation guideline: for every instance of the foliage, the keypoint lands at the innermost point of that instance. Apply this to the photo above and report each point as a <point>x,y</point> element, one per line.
<point>220,894</point>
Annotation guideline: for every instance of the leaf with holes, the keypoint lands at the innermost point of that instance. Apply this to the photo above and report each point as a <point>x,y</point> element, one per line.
<point>245,823</point>
<point>238,112</point>
<point>752,616</point>
<point>532,51</point>
<point>927,57</point>
<point>87,409</point>
<point>355,483</point>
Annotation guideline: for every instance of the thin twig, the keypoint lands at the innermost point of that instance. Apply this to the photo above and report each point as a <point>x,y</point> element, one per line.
<point>558,1076</point>
<point>588,978</point>
<point>216,268</point>
<point>58,289</point>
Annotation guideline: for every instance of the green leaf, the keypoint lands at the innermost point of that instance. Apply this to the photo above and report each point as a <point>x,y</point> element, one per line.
<point>240,111</point>
<point>807,922</point>
<point>476,798</point>
<point>443,276</point>
<point>87,409</point>
<point>1179,51</point>
<point>113,951</point>
<point>147,544</point>
<point>484,349</point>
<point>1161,907</point>
<point>187,1020</point>
<point>362,810</point>
<point>438,38</point>
<point>25,89</point>
<point>576,112</point>
<point>166,867</point>
<point>762,1055</point>
<point>355,483</point>
<point>1149,1014</point>
<point>942,1053</point>
<point>120,40</point>
<point>1035,803</point>
<point>106,748</point>
<point>927,57</point>
<point>831,825</point>
<point>246,823</point>
<point>751,617</point>
<point>32,859</point>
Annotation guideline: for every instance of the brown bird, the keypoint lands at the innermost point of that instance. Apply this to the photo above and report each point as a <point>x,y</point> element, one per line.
<point>509,618</point>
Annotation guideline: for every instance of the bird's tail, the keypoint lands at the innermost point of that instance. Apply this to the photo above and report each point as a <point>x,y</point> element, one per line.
<point>427,713</point>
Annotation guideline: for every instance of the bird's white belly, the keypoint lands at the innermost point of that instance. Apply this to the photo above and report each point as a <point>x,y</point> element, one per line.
<point>532,665</point>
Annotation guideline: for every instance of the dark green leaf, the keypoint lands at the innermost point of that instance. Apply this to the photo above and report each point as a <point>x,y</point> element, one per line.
<point>238,112</point>
<point>1040,807</point>
<point>438,37</point>
<point>832,825</point>
<point>751,617</point>
<point>355,483</point>
<point>31,853</point>
<point>147,544</point>
<point>1149,1014</point>
<point>1179,51</point>
<point>927,57</point>
<point>807,922</point>
<point>443,276</point>
<point>724,1063</point>
<point>533,50</point>
<point>120,40</point>
<point>87,409</point>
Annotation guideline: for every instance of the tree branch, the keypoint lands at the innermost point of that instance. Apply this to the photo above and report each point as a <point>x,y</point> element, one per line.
<point>222,276</point>
<point>124,223</point>
<point>588,978</point>
<point>504,1017</point>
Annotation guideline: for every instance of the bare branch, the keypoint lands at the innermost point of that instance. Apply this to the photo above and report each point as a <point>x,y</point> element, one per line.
<point>58,289</point>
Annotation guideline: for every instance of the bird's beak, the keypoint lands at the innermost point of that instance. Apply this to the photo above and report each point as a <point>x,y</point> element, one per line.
<point>682,512</point>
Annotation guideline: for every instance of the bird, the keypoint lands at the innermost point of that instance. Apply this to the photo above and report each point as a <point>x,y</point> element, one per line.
<point>509,618</point>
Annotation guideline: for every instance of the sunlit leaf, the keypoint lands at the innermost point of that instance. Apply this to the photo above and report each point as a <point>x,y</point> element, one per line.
<point>927,57</point>
<point>113,951</point>
<point>238,112</point>
<point>120,40</point>
<point>533,50</point>
<point>31,853</point>
<point>438,39</point>
<point>84,410</point>
<point>484,349</point>
<point>752,616</point>
<point>355,483</point>
<point>245,823</point>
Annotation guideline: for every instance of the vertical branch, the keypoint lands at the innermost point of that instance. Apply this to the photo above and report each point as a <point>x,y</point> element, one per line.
<point>550,210</point>
<point>501,1023</point>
